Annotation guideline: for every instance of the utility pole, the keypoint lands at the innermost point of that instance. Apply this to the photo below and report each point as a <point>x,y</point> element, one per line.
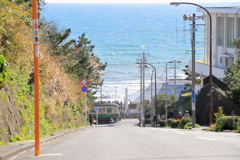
<point>115,94</point>
<point>151,98</point>
<point>193,73</point>
<point>141,105</point>
<point>101,92</point>
<point>175,76</point>
<point>166,109</point>
<point>144,60</point>
<point>142,89</point>
<point>126,104</point>
<point>36,76</point>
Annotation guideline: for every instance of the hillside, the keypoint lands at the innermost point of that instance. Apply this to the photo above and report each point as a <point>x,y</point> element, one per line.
<point>61,68</point>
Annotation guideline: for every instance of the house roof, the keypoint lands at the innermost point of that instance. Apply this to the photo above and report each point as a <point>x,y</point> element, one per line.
<point>235,9</point>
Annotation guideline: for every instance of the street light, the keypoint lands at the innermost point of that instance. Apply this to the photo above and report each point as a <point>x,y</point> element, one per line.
<point>175,4</point>
<point>151,95</point>
<point>155,85</point>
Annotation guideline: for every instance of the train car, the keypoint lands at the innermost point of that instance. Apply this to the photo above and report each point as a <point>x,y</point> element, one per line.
<point>106,112</point>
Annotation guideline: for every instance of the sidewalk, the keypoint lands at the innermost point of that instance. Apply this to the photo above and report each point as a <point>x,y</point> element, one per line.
<point>12,149</point>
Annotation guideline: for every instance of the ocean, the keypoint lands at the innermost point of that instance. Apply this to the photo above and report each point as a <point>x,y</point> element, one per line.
<point>121,34</point>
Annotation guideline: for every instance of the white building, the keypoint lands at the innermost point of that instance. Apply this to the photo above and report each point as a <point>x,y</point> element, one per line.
<point>225,28</point>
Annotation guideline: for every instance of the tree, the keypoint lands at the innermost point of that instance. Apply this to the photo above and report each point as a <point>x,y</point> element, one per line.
<point>188,86</point>
<point>161,102</point>
<point>232,77</point>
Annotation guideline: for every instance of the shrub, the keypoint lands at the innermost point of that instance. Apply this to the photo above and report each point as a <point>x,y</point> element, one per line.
<point>219,113</point>
<point>173,123</point>
<point>238,126</point>
<point>227,122</point>
<point>148,121</point>
<point>189,126</point>
<point>183,122</point>
<point>162,123</point>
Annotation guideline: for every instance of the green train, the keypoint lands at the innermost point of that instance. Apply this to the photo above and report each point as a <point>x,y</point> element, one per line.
<point>106,112</point>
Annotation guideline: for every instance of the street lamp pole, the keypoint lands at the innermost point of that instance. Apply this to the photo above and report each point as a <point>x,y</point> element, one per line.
<point>151,97</point>
<point>210,58</point>
<point>155,84</point>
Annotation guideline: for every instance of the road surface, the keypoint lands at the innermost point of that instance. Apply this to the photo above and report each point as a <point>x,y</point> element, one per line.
<point>126,141</point>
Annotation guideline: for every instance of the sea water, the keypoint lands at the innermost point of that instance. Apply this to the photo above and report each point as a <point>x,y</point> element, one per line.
<point>121,33</point>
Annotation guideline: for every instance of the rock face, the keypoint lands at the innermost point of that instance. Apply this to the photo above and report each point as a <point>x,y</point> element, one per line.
<point>10,118</point>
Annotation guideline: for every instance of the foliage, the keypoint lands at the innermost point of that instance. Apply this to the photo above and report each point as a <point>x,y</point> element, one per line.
<point>183,122</point>
<point>227,123</point>
<point>236,43</point>
<point>219,113</point>
<point>15,138</point>
<point>232,77</point>
<point>189,126</point>
<point>188,86</point>
<point>12,138</point>
<point>61,103</point>
<point>75,55</point>
<point>173,123</point>
<point>3,70</point>
<point>147,110</point>
<point>213,127</point>
<point>162,123</point>
<point>161,102</point>
<point>238,126</point>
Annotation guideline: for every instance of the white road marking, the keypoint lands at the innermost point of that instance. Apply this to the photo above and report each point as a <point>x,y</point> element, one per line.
<point>206,138</point>
<point>54,154</point>
<point>180,133</point>
<point>238,145</point>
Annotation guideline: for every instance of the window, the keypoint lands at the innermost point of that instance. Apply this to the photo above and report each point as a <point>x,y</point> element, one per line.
<point>238,27</point>
<point>220,31</point>
<point>101,110</point>
<point>109,110</point>
<point>230,32</point>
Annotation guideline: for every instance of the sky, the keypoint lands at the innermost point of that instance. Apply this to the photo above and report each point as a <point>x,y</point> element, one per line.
<point>137,1</point>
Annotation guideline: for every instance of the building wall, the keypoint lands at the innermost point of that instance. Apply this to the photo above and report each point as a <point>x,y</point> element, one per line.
<point>222,56</point>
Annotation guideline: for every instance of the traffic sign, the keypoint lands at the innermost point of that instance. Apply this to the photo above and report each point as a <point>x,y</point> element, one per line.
<point>84,81</point>
<point>84,89</point>
<point>95,109</point>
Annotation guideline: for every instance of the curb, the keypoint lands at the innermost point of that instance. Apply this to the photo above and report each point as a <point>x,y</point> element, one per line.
<point>8,151</point>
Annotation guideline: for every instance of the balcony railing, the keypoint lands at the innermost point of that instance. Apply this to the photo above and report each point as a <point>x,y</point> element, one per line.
<point>203,69</point>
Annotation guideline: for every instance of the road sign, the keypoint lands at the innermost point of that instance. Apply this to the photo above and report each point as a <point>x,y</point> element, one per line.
<point>84,89</point>
<point>84,81</point>
<point>95,109</point>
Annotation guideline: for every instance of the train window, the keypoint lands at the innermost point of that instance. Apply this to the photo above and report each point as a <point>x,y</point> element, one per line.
<point>114,110</point>
<point>109,110</point>
<point>101,110</point>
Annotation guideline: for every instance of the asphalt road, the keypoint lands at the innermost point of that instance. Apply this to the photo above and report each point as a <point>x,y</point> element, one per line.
<point>126,141</point>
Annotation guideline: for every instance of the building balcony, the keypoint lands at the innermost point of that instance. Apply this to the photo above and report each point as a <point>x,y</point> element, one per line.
<point>203,69</point>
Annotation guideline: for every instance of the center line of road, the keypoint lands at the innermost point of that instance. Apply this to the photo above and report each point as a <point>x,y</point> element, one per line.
<point>180,133</point>
<point>206,138</point>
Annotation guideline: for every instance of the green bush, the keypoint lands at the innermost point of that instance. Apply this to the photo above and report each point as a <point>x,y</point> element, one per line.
<point>238,128</point>
<point>148,121</point>
<point>227,123</point>
<point>189,126</point>
<point>173,123</point>
<point>162,123</point>
<point>183,122</point>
